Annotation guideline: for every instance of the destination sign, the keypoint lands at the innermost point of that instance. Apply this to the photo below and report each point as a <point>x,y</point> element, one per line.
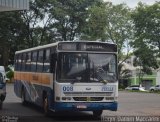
<point>87,46</point>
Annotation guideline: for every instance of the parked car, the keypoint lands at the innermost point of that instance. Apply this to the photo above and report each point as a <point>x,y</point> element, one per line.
<point>155,88</point>
<point>2,89</point>
<point>135,87</point>
<point>2,70</point>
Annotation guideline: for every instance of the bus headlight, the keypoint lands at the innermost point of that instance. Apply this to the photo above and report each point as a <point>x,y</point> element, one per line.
<point>112,98</point>
<point>58,98</point>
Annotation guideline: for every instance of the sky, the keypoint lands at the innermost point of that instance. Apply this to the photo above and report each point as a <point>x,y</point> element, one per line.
<point>133,3</point>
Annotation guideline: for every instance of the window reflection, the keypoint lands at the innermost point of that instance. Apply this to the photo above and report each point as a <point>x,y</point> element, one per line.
<point>82,67</point>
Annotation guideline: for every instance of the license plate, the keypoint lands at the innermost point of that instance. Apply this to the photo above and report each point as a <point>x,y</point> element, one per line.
<point>82,106</point>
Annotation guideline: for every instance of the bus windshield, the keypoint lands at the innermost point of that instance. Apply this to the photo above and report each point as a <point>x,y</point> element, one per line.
<point>86,67</point>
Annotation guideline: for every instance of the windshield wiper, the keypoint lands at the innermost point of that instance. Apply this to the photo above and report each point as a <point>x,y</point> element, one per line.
<point>78,79</point>
<point>101,79</point>
<point>104,81</point>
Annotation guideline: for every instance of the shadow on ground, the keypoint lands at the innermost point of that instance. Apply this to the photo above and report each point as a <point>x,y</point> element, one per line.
<point>33,113</point>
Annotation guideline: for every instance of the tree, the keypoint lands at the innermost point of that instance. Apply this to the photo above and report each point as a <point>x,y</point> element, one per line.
<point>95,28</point>
<point>147,35</point>
<point>9,29</point>
<point>119,27</point>
<point>19,30</point>
<point>146,59</point>
<point>46,21</point>
<point>69,17</point>
<point>36,22</point>
<point>111,23</point>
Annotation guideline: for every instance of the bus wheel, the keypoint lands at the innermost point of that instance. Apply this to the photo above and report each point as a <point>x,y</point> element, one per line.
<point>97,113</point>
<point>23,99</point>
<point>45,105</point>
<point>1,103</point>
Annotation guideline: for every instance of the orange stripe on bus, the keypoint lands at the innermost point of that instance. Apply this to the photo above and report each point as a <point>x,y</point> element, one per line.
<point>40,78</point>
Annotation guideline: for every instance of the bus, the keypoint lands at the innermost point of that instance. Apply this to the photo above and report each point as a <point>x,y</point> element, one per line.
<point>68,76</point>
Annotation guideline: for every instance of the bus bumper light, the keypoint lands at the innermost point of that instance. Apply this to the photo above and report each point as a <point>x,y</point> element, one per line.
<point>58,98</point>
<point>66,98</point>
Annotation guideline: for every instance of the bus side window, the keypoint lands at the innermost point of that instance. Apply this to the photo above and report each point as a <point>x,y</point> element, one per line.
<point>53,62</point>
<point>23,62</point>
<point>46,67</point>
<point>34,61</point>
<point>16,62</point>
<point>19,62</point>
<point>40,61</point>
<point>28,61</point>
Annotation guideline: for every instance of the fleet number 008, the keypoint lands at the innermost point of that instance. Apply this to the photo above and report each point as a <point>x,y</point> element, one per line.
<point>67,88</point>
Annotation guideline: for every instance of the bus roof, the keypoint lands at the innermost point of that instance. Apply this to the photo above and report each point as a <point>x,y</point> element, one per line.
<point>38,47</point>
<point>56,43</point>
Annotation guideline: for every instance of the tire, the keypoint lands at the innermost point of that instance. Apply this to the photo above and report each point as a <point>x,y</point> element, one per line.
<point>1,104</point>
<point>3,97</point>
<point>45,105</point>
<point>23,97</point>
<point>152,90</point>
<point>97,113</point>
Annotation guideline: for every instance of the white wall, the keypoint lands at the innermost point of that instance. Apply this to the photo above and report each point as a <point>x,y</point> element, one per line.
<point>158,78</point>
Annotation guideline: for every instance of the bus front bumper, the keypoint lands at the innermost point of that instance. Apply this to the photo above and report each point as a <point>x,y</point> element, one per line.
<point>90,106</point>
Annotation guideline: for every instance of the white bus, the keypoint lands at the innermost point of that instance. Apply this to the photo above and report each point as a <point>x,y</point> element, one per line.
<point>68,76</point>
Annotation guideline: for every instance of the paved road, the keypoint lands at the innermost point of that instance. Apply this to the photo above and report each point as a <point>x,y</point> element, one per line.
<point>137,104</point>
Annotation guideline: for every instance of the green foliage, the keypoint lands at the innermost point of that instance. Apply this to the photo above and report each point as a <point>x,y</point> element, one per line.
<point>10,74</point>
<point>70,17</point>
<point>108,22</point>
<point>95,27</point>
<point>9,33</point>
<point>147,44</point>
<point>46,22</point>
<point>147,23</point>
<point>145,60</point>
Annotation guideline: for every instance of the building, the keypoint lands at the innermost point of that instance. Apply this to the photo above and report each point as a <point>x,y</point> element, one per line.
<point>10,5</point>
<point>158,77</point>
<point>147,80</point>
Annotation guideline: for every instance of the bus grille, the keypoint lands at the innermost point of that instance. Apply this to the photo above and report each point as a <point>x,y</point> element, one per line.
<point>88,98</point>
<point>86,94</point>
